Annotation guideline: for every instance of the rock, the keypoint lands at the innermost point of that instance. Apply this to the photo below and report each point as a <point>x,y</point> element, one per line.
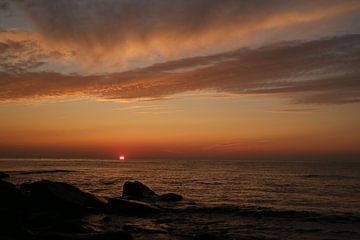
<point>137,190</point>
<point>170,197</point>
<point>18,234</point>
<point>131,207</point>
<point>10,195</point>
<point>118,235</point>
<point>144,229</point>
<point>60,197</point>
<point>106,219</point>
<point>206,236</point>
<point>71,226</point>
<point>12,208</point>
<point>4,175</point>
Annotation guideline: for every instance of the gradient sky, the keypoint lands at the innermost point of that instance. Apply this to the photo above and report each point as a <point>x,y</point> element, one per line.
<point>179,79</point>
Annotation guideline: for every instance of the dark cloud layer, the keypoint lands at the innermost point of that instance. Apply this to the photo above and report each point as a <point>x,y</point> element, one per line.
<point>20,56</point>
<point>4,5</point>
<point>106,22</point>
<point>324,71</point>
<point>114,20</point>
<point>132,29</point>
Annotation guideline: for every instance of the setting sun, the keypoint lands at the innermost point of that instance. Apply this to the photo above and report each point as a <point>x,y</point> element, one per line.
<point>121,157</point>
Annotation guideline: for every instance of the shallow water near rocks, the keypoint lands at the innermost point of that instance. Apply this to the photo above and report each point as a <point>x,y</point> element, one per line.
<point>233,199</point>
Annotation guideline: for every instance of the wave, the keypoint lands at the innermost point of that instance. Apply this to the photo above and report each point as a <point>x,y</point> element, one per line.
<point>40,172</point>
<point>262,212</point>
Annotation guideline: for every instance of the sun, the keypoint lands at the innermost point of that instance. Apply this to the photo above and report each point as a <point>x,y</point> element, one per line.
<point>121,157</point>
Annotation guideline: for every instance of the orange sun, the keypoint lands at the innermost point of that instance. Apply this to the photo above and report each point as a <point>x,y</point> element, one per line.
<point>121,157</point>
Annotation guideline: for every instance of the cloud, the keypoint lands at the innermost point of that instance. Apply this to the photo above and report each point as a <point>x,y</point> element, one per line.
<point>20,56</point>
<point>24,52</point>
<point>322,71</point>
<point>149,109</point>
<point>111,34</point>
<point>4,5</point>
<point>292,110</point>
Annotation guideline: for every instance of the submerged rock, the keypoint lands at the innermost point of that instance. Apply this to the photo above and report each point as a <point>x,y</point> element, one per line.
<point>170,197</point>
<point>131,207</point>
<point>137,190</point>
<point>59,197</point>
<point>4,175</point>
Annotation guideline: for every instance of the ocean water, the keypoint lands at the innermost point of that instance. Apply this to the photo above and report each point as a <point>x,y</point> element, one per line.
<point>236,199</point>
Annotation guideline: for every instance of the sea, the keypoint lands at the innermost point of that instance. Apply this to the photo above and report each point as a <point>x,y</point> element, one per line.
<point>233,199</point>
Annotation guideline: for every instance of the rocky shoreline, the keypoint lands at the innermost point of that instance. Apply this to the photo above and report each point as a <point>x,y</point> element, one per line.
<point>56,210</point>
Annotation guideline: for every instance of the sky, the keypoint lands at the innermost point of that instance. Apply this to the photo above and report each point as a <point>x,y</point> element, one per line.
<point>180,79</point>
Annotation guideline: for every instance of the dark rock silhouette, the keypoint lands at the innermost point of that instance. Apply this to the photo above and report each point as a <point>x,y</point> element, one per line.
<point>170,197</point>
<point>144,229</point>
<point>206,236</point>
<point>13,205</point>
<point>71,226</point>
<point>137,190</point>
<point>10,195</point>
<point>59,197</point>
<point>4,175</point>
<point>131,207</point>
<point>56,210</point>
<point>116,235</point>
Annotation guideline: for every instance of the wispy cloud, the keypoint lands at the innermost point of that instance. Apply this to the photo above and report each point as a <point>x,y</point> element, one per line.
<point>236,145</point>
<point>4,5</point>
<point>160,111</point>
<point>136,107</point>
<point>148,109</point>
<point>110,35</point>
<point>322,71</point>
<point>23,56</point>
<point>292,110</point>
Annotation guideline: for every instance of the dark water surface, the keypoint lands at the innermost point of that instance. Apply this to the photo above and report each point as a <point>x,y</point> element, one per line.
<point>234,199</point>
